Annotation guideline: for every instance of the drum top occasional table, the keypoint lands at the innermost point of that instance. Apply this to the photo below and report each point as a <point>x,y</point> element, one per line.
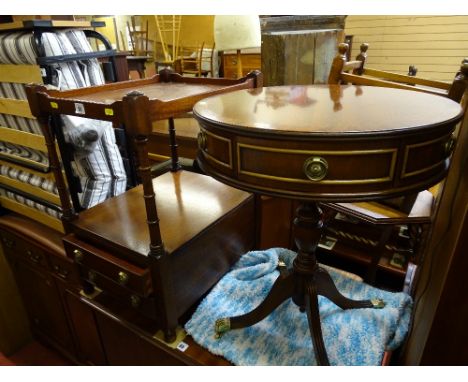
<point>322,143</point>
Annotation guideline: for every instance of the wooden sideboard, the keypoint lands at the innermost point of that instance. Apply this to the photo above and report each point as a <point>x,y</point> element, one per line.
<point>87,329</point>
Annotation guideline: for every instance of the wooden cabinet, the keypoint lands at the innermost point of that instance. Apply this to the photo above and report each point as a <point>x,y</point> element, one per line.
<point>87,329</point>
<point>85,333</point>
<point>43,304</point>
<point>250,61</point>
<point>40,272</point>
<point>49,285</point>
<point>14,326</point>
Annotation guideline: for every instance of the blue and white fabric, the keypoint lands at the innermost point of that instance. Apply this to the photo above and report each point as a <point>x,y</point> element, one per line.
<point>352,337</point>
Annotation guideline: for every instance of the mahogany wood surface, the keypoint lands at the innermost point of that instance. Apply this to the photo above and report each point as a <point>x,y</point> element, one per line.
<point>311,110</point>
<point>177,95</point>
<point>187,203</point>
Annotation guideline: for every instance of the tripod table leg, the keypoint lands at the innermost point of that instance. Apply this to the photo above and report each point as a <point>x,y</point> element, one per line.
<point>282,289</point>
<point>313,316</point>
<point>327,288</point>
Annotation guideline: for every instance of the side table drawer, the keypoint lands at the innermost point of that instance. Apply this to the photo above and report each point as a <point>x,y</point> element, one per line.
<point>116,271</point>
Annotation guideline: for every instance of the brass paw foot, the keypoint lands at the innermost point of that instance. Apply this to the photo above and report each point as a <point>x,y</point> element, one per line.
<point>377,303</point>
<point>222,325</point>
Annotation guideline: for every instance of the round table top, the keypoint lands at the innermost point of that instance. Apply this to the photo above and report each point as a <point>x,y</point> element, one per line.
<point>327,110</point>
<point>327,142</point>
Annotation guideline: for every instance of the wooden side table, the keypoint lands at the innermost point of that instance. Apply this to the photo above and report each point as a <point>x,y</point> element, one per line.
<point>322,143</point>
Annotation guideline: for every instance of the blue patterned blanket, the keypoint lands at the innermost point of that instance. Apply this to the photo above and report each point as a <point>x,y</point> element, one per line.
<point>352,337</point>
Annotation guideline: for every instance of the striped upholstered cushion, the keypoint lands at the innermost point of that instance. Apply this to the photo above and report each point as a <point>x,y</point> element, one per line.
<point>28,125</point>
<point>12,90</point>
<point>27,177</point>
<point>101,173</point>
<point>80,43</point>
<point>17,48</point>
<point>55,212</point>
<point>19,152</point>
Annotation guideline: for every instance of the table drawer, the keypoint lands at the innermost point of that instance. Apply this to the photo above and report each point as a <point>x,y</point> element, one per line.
<point>144,305</point>
<point>117,271</point>
<point>17,246</point>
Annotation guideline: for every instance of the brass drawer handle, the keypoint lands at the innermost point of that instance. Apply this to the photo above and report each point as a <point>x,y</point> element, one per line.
<point>122,278</point>
<point>35,258</point>
<point>8,243</point>
<point>78,255</point>
<point>315,168</point>
<point>62,273</point>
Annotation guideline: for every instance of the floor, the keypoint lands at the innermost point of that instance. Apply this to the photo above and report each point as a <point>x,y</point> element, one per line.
<point>34,354</point>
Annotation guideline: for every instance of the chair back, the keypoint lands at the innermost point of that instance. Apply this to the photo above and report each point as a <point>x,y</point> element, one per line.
<point>191,59</point>
<point>415,210</point>
<point>197,60</point>
<point>138,39</point>
<point>207,61</point>
<point>355,72</point>
<point>168,27</point>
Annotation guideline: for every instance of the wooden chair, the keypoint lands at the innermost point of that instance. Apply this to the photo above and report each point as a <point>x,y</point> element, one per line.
<point>388,216</point>
<point>168,27</point>
<point>361,75</point>
<point>207,61</point>
<point>160,246</point>
<point>138,39</point>
<point>191,60</point>
<point>196,60</point>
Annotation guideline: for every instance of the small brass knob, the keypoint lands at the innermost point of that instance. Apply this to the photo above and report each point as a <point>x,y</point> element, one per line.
<point>315,168</point>
<point>135,301</point>
<point>8,243</point>
<point>78,255</point>
<point>122,278</point>
<point>201,139</point>
<point>33,257</point>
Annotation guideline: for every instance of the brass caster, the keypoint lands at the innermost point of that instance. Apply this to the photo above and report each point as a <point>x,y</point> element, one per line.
<point>377,303</point>
<point>222,325</point>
